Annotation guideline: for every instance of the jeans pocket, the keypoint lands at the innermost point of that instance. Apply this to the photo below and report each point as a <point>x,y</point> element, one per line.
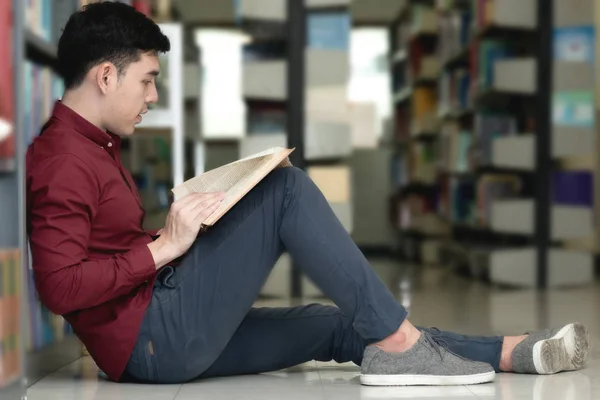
<point>166,278</point>
<point>142,364</point>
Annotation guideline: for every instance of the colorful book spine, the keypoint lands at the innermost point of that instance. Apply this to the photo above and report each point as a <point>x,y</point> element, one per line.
<point>328,30</point>
<point>266,117</point>
<point>7,133</point>
<point>491,188</point>
<point>42,88</point>
<point>10,320</point>
<point>489,127</point>
<point>573,188</point>
<point>39,18</point>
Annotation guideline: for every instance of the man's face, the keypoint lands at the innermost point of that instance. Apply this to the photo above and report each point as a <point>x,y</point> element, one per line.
<point>129,98</point>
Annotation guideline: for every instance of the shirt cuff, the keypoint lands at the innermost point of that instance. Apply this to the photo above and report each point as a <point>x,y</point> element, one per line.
<point>142,263</point>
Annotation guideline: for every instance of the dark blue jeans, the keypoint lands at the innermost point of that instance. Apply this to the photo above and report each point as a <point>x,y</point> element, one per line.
<point>201,323</point>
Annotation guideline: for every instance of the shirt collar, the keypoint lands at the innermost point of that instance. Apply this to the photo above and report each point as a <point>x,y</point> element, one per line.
<point>67,116</point>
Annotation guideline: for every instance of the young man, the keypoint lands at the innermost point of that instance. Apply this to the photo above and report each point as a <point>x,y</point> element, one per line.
<point>145,317</point>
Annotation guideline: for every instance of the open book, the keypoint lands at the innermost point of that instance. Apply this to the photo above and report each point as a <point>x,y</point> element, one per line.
<point>235,179</point>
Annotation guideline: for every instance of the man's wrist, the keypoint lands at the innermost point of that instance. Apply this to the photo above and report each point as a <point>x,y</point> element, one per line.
<point>163,252</point>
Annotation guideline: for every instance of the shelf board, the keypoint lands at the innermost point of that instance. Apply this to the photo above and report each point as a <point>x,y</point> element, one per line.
<point>486,169</point>
<point>491,98</point>
<point>417,188</point>
<point>425,136</point>
<point>500,31</point>
<point>460,59</point>
<point>40,50</point>
<point>457,114</point>
<point>425,80</point>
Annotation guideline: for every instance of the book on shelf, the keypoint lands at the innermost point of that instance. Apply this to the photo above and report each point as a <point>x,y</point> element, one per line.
<point>461,200</point>
<point>484,54</point>
<point>402,34</point>
<point>266,117</point>
<point>455,33</point>
<point>454,91</point>
<point>10,319</point>
<point>42,88</point>
<point>400,79</point>
<point>7,134</point>
<point>491,188</point>
<point>399,170</point>
<point>423,20</point>
<point>264,50</point>
<point>456,149</point>
<point>43,328</point>
<point>38,18</point>
<point>236,179</point>
<point>424,103</point>
<point>328,29</point>
<point>402,126</point>
<point>487,128</point>
<point>573,188</point>
<point>575,44</point>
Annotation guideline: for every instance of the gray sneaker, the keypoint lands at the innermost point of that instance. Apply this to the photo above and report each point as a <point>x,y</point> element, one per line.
<point>552,350</point>
<point>426,363</point>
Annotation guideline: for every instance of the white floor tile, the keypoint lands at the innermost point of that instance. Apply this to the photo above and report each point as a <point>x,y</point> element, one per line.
<point>421,393</point>
<point>295,385</point>
<point>563,386</point>
<point>79,381</point>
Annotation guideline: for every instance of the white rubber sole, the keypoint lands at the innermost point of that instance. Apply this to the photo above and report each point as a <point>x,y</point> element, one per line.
<point>426,380</point>
<point>566,351</point>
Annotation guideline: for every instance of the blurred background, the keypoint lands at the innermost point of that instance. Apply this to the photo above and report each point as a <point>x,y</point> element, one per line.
<point>454,139</point>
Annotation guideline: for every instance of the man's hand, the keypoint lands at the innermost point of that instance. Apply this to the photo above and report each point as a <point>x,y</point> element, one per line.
<point>182,225</point>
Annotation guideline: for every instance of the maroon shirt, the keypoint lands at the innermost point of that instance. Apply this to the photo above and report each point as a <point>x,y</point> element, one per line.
<point>90,256</point>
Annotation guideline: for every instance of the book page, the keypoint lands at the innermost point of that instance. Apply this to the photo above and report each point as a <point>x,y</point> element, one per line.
<point>243,181</point>
<point>235,179</point>
<point>222,178</point>
<point>248,181</point>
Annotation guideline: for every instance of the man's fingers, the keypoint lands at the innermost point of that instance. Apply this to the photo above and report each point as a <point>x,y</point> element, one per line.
<point>195,199</point>
<point>205,212</point>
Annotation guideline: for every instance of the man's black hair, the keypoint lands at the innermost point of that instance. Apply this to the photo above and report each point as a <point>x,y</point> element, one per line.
<point>106,31</point>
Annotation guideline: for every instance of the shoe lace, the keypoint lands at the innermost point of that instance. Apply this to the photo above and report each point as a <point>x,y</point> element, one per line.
<point>436,343</point>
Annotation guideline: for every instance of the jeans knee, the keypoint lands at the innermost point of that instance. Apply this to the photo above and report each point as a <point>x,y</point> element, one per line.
<point>286,173</point>
<point>288,177</point>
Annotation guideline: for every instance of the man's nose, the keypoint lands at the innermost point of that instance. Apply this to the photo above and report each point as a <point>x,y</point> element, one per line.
<point>153,95</point>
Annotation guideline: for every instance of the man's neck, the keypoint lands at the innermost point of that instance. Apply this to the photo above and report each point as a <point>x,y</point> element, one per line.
<point>79,102</point>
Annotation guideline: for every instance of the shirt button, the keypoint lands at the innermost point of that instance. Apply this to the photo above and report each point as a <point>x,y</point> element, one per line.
<point>109,144</point>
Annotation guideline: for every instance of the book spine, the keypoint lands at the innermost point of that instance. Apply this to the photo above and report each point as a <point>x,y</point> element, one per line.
<point>329,30</point>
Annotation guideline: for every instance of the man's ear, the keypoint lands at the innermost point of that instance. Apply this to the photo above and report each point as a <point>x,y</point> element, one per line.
<point>106,76</point>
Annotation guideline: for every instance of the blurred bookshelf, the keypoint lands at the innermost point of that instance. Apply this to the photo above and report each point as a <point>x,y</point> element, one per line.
<point>30,85</point>
<point>480,158</point>
<point>33,341</point>
<point>326,134</point>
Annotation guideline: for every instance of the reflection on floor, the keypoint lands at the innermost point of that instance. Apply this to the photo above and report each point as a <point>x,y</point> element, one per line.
<point>434,297</point>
